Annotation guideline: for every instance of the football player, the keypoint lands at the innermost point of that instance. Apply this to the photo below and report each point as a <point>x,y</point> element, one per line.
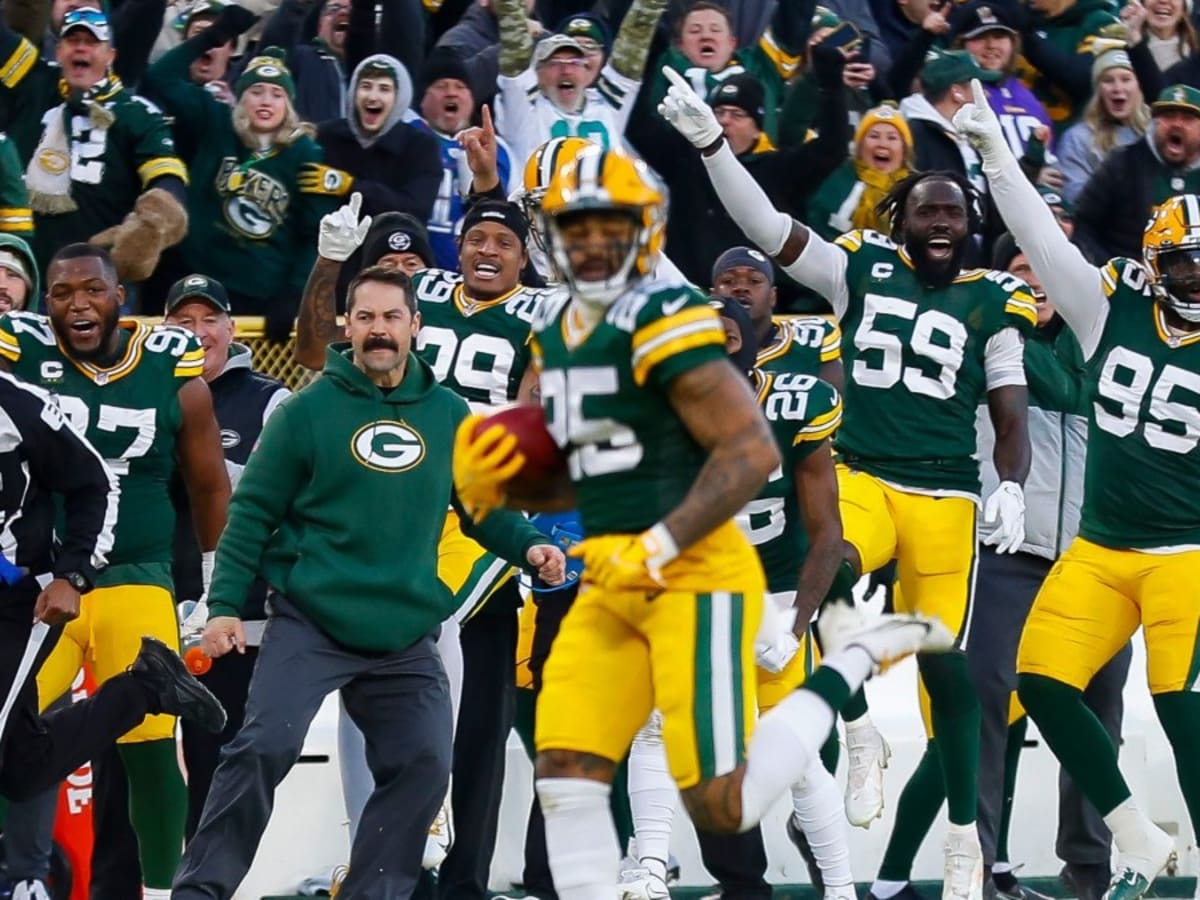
<point>926,343</point>
<point>665,445</point>
<point>1134,562</point>
<point>137,392</point>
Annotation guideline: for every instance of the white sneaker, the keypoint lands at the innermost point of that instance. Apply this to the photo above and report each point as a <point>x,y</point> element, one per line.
<point>887,638</point>
<point>642,884</point>
<point>845,892</point>
<point>867,756</point>
<point>30,889</point>
<point>440,837</point>
<point>1138,863</point>
<point>963,878</point>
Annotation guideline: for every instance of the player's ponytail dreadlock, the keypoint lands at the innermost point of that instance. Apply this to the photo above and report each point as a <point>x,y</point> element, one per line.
<point>891,207</point>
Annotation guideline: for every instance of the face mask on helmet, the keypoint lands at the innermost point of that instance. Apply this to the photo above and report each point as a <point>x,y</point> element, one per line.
<point>1178,282</point>
<point>596,251</point>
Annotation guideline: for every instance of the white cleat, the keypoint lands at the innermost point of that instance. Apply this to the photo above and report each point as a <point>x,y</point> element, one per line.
<point>642,884</point>
<point>30,889</point>
<point>844,892</point>
<point>440,837</point>
<point>963,878</point>
<point>867,756</point>
<point>887,639</point>
<point>1138,863</point>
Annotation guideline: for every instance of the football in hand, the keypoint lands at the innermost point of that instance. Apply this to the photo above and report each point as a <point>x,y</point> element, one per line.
<point>545,463</point>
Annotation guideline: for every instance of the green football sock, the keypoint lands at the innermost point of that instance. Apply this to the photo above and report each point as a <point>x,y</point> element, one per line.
<point>157,807</point>
<point>829,686</point>
<point>955,713</point>
<point>523,720</point>
<point>1076,738</point>
<point>1012,758</point>
<point>830,751</point>
<point>619,802</point>
<point>919,804</point>
<point>1179,713</point>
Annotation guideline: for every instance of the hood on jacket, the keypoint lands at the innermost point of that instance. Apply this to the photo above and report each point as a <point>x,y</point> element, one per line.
<point>418,379</point>
<point>915,106</point>
<point>404,96</point>
<point>19,247</point>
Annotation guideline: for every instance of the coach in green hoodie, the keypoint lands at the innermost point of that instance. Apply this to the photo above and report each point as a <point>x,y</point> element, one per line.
<point>340,509</point>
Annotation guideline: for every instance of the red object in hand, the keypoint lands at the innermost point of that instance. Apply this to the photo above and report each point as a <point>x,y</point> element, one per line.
<point>195,660</point>
<point>545,462</point>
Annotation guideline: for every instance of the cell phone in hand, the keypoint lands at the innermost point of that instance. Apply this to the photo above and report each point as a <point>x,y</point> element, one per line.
<point>846,37</point>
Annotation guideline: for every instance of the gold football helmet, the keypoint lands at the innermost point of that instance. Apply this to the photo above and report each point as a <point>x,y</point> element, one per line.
<point>539,169</point>
<point>600,180</point>
<point>1171,250</point>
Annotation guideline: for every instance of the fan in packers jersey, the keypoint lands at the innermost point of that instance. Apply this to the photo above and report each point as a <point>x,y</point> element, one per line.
<point>665,444</point>
<point>137,393</point>
<point>927,343</point>
<point>1135,560</point>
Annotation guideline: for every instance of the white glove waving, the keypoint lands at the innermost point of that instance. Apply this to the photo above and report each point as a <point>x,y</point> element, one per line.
<point>1005,510</point>
<point>341,233</point>
<point>978,123</point>
<point>775,656</point>
<point>687,113</point>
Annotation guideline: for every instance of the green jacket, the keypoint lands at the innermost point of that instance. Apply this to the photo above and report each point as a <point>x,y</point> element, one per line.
<point>14,244</point>
<point>342,503</point>
<point>1071,32</point>
<point>15,215</point>
<point>1054,369</point>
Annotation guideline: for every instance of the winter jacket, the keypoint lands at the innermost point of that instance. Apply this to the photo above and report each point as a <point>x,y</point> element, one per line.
<point>342,505</point>
<point>397,169</point>
<point>1078,156</point>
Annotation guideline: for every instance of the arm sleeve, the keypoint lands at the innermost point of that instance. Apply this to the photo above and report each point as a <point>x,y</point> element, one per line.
<point>1004,359</point>
<point>154,151</point>
<point>632,44</point>
<point>504,532</point>
<point>274,473</point>
<point>1072,284</point>
<point>63,461</point>
<point>284,28</point>
<point>135,28</point>
<point>516,45</point>
<point>168,80</point>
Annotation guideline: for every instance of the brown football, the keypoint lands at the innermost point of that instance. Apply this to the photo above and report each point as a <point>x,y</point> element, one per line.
<point>545,463</point>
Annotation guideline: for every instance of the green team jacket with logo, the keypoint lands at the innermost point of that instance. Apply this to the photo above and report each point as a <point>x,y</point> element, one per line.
<point>251,224</point>
<point>1142,475</point>
<point>630,456</point>
<point>341,508</point>
<point>803,411</point>
<point>478,349</point>
<point>915,363</point>
<point>130,412</point>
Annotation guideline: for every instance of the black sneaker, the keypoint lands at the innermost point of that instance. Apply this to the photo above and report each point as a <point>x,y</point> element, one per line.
<point>1012,890</point>
<point>1087,881</point>
<point>800,842</point>
<point>173,689</point>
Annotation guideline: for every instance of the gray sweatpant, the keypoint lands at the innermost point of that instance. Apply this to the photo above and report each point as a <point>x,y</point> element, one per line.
<point>400,701</point>
<point>1005,588</point>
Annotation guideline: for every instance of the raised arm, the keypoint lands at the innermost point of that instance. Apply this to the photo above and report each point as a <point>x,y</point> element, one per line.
<point>806,256</point>
<point>1072,284</point>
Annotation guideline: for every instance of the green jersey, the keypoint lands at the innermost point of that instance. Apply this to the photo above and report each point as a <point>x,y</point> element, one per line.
<point>630,457</point>
<point>803,411</point>
<point>477,348</point>
<point>15,215</point>
<point>916,363</point>
<point>800,344</point>
<point>1143,462</point>
<point>131,414</point>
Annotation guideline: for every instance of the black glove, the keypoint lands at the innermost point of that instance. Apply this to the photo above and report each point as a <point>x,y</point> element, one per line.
<point>232,23</point>
<point>827,64</point>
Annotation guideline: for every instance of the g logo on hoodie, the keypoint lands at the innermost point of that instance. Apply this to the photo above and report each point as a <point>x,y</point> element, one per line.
<point>388,446</point>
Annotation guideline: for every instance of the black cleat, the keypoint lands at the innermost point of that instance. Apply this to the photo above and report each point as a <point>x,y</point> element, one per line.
<point>174,691</point>
<point>800,842</point>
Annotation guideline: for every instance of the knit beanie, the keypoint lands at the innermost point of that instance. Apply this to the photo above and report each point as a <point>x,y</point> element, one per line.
<point>267,68</point>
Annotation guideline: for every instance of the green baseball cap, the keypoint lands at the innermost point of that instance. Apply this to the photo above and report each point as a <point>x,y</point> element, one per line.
<point>1178,96</point>
<point>198,287</point>
<point>946,67</point>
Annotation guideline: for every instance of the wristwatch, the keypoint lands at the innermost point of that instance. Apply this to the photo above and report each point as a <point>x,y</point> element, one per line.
<point>77,580</point>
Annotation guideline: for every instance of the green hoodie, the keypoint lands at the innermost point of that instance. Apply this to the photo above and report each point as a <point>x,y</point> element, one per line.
<point>13,244</point>
<point>342,503</point>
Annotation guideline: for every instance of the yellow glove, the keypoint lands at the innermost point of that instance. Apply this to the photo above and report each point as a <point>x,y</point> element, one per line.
<point>483,465</point>
<point>627,562</point>
<point>317,178</point>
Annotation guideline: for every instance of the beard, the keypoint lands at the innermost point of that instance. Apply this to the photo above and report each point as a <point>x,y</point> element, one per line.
<point>103,349</point>
<point>936,273</point>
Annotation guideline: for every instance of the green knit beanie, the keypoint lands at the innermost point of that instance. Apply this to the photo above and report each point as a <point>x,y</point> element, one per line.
<point>267,68</point>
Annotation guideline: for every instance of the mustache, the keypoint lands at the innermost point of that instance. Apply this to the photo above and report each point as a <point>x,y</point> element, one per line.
<point>379,343</point>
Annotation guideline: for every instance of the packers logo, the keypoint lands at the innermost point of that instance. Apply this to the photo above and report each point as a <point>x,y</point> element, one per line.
<point>388,446</point>
<point>54,162</point>
<point>229,438</point>
<point>399,241</point>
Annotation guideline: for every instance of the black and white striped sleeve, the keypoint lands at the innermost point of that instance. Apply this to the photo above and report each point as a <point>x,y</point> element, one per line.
<point>61,461</point>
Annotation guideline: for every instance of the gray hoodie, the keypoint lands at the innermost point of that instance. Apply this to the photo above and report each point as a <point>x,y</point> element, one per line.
<point>404,96</point>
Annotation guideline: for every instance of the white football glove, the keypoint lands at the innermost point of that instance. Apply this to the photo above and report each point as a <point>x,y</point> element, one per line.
<point>978,123</point>
<point>1005,510</point>
<point>775,656</point>
<point>341,233</point>
<point>688,113</point>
